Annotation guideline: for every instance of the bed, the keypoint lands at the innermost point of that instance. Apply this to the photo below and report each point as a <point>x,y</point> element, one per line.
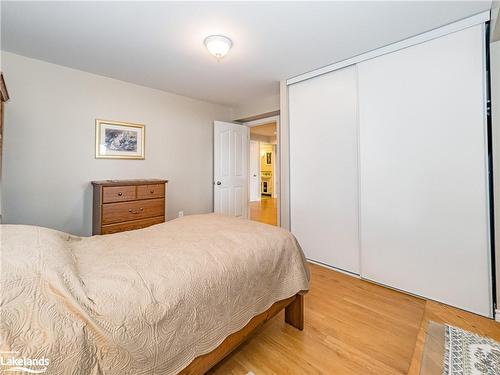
<point>172,298</point>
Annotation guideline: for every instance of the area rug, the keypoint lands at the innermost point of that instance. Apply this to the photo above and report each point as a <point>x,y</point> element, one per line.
<point>449,350</point>
<point>466,353</point>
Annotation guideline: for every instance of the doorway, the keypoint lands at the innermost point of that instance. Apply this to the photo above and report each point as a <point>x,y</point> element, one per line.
<point>263,171</point>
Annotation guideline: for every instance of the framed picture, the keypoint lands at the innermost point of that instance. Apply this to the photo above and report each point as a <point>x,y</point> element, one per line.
<point>119,140</point>
<point>268,158</point>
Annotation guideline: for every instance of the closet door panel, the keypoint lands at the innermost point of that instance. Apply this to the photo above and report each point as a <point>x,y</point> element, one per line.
<point>423,171</point>
<point>323,168</point>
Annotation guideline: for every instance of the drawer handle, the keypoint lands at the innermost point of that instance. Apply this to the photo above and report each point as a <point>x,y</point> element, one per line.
<point>152,191</point>
<point>135,212</point>
<point>120,194</point>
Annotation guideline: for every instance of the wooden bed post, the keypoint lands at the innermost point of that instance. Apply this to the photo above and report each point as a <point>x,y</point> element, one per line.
<point>294,312</point>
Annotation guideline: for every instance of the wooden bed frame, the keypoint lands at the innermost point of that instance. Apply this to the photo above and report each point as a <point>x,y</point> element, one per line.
<point>294,315</point>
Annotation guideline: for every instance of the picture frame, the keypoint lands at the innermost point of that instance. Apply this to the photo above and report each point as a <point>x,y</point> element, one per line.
<point>269,158</point>
<point>119,140</point>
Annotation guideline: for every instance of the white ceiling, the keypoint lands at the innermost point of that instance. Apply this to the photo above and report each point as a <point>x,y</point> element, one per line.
<point>160,44</point>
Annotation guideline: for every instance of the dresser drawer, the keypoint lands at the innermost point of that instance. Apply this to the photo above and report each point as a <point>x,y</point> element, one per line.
<point>150,191</point>
<point>121,205</point>
<point>118,193</point>
<point>126,211</point>
<point>131,225</point>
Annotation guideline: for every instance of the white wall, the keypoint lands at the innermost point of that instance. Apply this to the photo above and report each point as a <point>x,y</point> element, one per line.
<point>495,100</point>
<point>257,106</point>
<point>49,143</point>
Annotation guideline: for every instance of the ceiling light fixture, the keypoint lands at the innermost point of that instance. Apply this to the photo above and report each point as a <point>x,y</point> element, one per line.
<point>218,45</point>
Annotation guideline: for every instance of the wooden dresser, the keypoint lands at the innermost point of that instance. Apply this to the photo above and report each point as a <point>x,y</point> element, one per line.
<point>121,205</point>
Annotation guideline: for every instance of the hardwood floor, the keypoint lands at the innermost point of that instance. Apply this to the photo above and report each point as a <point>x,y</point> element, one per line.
<point>440,313</point>
<point>351,327</point>
<point>265,211</point>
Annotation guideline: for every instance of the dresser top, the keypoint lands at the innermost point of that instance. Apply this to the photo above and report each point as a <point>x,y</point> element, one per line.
<point>151,181</point>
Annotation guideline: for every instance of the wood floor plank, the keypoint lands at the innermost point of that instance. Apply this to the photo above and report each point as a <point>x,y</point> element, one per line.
<point>351,327</point>
<point>440,313</point>
<point>265,211</point>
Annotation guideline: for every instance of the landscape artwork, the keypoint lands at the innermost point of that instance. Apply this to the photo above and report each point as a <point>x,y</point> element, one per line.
<point>119,140</point>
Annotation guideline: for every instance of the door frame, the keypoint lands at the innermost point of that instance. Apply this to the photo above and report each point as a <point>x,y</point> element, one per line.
<point>250,170</point>
<point>262,121</point>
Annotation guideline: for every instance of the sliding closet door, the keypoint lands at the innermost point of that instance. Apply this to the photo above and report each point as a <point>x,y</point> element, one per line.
<point>423,171</point>
<point>323,168</point>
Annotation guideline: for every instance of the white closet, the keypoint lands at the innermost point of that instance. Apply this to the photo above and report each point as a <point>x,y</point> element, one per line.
<point>388,169</point>
<point>324,174</point>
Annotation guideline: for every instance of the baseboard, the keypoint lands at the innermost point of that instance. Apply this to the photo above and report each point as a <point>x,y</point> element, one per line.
<point>497,315</point>
<point>334,268</point>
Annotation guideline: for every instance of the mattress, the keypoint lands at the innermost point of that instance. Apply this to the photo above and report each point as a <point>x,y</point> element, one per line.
<point>139,302</point>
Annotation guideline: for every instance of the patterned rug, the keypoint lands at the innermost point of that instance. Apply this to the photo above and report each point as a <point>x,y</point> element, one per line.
<point>469,354</point>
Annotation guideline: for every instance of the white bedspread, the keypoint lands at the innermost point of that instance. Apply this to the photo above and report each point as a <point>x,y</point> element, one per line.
<point>140,302</point>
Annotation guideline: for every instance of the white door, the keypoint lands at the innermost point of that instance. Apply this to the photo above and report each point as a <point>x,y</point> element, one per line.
<point>230,169</point>
<point>324,168</point>
<point>254,171</point>
<point>424,202</point>
<point>275,171</point>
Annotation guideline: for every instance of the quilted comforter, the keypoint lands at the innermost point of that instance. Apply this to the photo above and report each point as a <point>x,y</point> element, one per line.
<point>141,302</point>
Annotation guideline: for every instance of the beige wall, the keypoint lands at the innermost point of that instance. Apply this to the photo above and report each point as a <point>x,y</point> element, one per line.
<point>262,138</point>
<point>264,167</point>
<point>260,105</point>
<point>264,149</point>
<point>49,143</point>
<point>495,100</point>
<point>494,23</point>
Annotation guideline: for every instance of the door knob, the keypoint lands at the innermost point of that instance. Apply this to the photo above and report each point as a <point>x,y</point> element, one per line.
<point>219,183</point>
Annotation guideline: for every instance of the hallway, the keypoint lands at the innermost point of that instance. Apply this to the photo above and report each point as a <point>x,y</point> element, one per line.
<point>265,211</point>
